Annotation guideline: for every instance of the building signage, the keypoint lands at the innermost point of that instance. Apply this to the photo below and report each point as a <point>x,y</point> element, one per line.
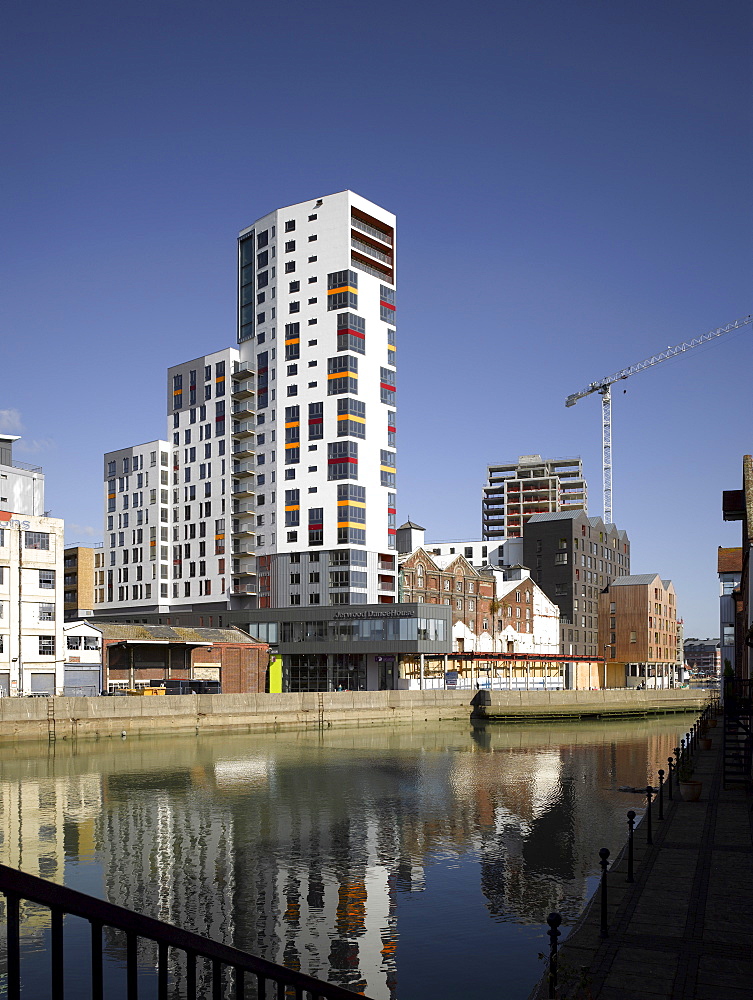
<point>7,522</point>
<point>373,614</point>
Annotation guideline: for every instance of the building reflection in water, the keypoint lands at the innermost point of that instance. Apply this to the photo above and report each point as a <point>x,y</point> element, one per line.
<point>298,847</point>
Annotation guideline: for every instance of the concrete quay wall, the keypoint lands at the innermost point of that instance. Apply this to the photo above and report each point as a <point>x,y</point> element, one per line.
<point>36,718</point>
<point>582,704</point>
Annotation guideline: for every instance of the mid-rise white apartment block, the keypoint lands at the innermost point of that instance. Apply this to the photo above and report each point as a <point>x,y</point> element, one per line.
<point>137,570</point>
<point>207,402</point>
<point>168,502</point>
<point>515,491</point>
<point>31,583</point>
<point>317,322</point>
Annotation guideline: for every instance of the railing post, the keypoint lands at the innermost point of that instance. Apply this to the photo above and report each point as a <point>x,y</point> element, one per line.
<point>677,764</point>
<point>661,793</point>
<point>604,855</point>
<point>57,953</point>
<point>649,797</point>
<point>14,945</point>
<point>554,920</point>
<point>631,828</point>
<point>669,777</point>
<point>96,961</point>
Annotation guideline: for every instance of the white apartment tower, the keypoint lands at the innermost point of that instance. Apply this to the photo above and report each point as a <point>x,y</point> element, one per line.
<point>316,322</point>
<point>167,502</point>
<point>515,491</point>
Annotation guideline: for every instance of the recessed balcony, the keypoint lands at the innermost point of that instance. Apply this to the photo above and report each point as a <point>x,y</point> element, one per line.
<point>243,428</point>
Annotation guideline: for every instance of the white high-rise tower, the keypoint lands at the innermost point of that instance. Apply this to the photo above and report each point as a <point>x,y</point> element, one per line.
<point>316,321</point>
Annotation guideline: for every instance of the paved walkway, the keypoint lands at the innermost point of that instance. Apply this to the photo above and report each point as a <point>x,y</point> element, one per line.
<point>684,928</point>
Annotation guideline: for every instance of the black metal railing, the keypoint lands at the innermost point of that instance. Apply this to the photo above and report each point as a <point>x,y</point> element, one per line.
<point>738,730</point>
<point>679,767</point>
<point>230,969</point>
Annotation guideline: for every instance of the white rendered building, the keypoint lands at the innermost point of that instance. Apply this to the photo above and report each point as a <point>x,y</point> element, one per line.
<point>31,582</point>
<point>167,503</point>
<point>316,315</point>
<point>137,528</point>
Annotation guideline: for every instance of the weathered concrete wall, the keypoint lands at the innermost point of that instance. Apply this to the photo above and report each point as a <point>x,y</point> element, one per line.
<point>580,704</point>
<point>27,718</point>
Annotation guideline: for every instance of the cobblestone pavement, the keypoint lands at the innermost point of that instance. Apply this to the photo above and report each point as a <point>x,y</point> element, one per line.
<point>684,928</point>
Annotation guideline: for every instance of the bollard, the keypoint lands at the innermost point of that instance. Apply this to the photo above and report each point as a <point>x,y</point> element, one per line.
<point>677,764</point>
<point>661,793</point>
<point>669,779</point>
<point>683,752</point>
<point>554,920</point>
<point>604,855</point>
<point>649,797</point>
<point>631,828</point>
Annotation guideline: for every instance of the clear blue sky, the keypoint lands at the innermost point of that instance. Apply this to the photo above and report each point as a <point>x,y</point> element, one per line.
<point>573,185</point>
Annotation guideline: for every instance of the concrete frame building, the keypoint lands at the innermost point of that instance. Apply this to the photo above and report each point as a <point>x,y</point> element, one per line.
<point>515,491</point>
<point>573,557</point>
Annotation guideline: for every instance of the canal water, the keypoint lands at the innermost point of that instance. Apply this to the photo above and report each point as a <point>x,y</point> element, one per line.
<point>399,862</point>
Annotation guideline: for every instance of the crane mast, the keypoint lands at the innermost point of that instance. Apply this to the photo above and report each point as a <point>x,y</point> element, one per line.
<point>604,388</point>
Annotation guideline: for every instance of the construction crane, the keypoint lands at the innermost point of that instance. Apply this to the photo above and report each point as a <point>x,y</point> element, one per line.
<point>604,387</point>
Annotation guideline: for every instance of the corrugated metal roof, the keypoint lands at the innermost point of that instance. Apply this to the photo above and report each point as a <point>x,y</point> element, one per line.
<point>172,633</point>
<point>635,581</point>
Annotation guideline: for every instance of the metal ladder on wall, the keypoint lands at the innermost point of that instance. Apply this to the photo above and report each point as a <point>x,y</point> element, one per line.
<point>320,707</point>
<point>51,719</point>
<point>738,732</point>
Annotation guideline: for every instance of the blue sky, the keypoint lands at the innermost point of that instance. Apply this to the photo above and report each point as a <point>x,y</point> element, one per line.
<point>573,186</point>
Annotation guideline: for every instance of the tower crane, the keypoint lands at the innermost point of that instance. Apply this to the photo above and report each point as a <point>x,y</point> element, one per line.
<point>604,387</point>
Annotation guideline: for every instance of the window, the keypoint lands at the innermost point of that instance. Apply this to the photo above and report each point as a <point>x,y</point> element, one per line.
<point>290,246</point>
<point>36,540</point>
<point>46,612</point>
<point>342,290</point>
<point>316,421</point>
<point>73,642</point>
<point>387,386</point>
<point>46,579</point>
<point>351,418</point>
<point>342,458</point>
<point>294,307</point>
<point>289,266</point>
<point>290,225</point>
<point>351,332</point>
<point>342,374</point>
<point>46,645</point>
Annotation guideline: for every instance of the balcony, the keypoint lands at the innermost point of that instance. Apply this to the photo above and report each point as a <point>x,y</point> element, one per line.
<point>241,469</point>
<point>244,448</point>
<point>242,368</point>
<point>370,251</point>
<point>243,428</point>
<point>243,488</point>
<point>244,567</point>
<point>246,387</point>
<point>376,234</point>
<point>245,408</point>
<point>243,507</point>
<point>243,528</point>
<point>244,549</point>
<point>242,589</point>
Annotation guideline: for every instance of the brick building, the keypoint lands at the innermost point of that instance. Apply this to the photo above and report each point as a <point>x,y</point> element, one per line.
<point>451,580</point>
<point>134,656</point>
